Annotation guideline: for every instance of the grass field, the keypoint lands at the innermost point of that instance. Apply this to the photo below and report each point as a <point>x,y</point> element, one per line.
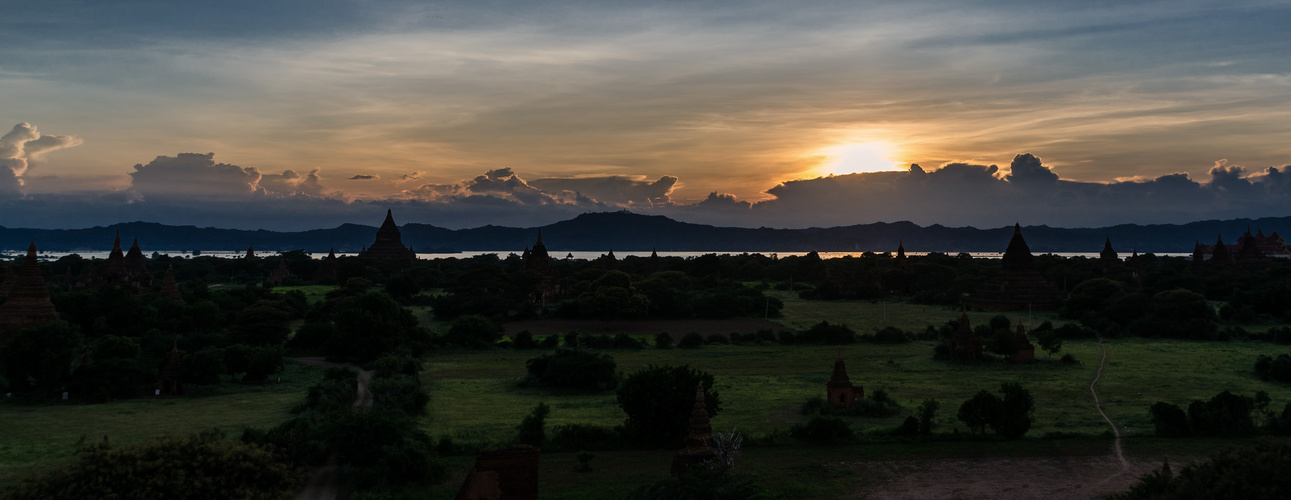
<point>865,317</point>
<point>475,401</point>
<point>36,436</point>
<point>313,293</point>
<point>475,394</point>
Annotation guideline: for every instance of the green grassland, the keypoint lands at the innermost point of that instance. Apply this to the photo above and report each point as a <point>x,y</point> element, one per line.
<point>313,293</point>
<point>866,317</point>
<point>475,394</point>
<point>36,436</point>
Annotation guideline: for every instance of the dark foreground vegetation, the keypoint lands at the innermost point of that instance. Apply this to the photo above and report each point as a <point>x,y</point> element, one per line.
<point>232,329</point>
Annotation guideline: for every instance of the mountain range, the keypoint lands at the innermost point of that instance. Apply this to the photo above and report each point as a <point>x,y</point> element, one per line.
<point>625,231</point>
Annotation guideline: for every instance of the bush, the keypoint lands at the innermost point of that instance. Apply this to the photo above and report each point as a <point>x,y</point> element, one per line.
<point>1169,420</point>
<point>663,340</point>
<point>196,466</point>
<point>823,430</point>
<point>573,437</point>
<point>1226,413</point>
<point>532,429</point>
<point>524,340</point>
<point>717,338</point>
<point>658,401</point>
<point>826,333</point>
<point>692,340</point>
<point>573,370</point>
<point>1256,472</point>
<point>401,392</point>
<point>473,331</point>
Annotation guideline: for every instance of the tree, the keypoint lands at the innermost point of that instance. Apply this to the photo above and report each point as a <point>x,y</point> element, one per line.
<point>531,429</point>
<point>978,411</point>
<point>371,324</point>
<point>39,357</point>
<point>927,414</point>
<point>566,369</point>
<point>1050,341</point>
<point>1014,414</point>
<point>1169,420</point>
<point>1256,472</point>
<point>197,466</point>
<point>474,331</point>
<point>658,401</point>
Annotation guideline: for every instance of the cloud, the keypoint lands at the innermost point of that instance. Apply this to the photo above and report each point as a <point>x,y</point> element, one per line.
<point>614,189</point>
<point>291,183</point>
<point>410,176</point>
<point>22,146</point>
<point>364,177</point>
<point>1030,193</point>
<point>197,178</point>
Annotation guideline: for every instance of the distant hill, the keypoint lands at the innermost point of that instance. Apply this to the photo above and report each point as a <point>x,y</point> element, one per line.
<point>625,231</point>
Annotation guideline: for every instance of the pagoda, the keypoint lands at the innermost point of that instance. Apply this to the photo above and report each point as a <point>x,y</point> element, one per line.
<point>169,287</point>
<point>169,382</point>
<point>840,391</point>
<point>327,269</point>
<point>389,243</point>
<point>279,273</point>
<point>27,303</point>
<point>123,268</point>
<point>1018,285</point>
<point>965,344</point>
<point>1108,256</point>
<point>699,437</point>
<point>1023,349</point>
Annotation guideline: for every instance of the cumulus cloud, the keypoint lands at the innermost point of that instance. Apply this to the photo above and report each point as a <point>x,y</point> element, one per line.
<point>22,146</point>
<point>616,190</point>
<point>364,177</point>
<point>291,183</point>
<point>1031,193</point>
<point>197,178</point>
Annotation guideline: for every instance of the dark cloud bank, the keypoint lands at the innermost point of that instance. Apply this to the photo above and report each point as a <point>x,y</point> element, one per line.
<point>193,189</point>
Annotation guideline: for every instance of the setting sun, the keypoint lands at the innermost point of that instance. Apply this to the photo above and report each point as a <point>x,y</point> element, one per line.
<point>858,158</point>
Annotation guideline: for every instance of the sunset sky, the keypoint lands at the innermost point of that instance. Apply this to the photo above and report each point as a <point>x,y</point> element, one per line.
<point>305,114</point>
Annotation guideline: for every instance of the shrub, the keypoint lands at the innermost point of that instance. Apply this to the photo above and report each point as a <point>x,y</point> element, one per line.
<point>571,437</point>
<point>1169,420</point>
<point>197,466</point>
<point>473,331</point>
<point>663,340</point>
<point>402,392</point>
<point>692,340</point>
<point>826,333</point>
<point>823,430</point>
<point>717,338</point>
<point>1256,472</point>
<point>658,401</point>
<point>532,429</point>
<point>566,369</point>
<point>523,340</point>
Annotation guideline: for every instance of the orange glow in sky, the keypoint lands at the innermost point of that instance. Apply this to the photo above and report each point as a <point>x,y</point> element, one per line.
<point>859,157</point>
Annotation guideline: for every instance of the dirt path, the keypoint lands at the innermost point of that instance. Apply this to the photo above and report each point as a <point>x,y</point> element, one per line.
<point>1050,478</point>
<point>323,483</point>
<point>1120,453</point>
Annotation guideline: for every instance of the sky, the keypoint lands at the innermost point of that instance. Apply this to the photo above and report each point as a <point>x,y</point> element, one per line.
<point>292,115</point>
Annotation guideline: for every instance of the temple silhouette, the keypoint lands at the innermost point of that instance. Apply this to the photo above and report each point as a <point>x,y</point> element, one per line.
<point>389,243</point>
<point>1018,285</point>
<point>26,299</point>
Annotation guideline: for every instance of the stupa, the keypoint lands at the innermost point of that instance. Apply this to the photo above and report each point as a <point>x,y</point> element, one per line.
<point>327,269</point>
<point>27,303</point>
<point>389,243</point>
<point>699,438</point>
<point>1018,286</point>
<point>840,391</point>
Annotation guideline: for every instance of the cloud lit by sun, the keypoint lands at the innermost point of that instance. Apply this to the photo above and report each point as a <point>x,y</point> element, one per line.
<point>858,157</point>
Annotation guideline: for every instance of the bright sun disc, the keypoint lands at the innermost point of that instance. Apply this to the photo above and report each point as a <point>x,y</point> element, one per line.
<point>859,157</point>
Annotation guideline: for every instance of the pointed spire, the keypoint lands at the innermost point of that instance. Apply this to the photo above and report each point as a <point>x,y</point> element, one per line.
<point>116,243</point>
<point>1018,255</point>
<point>539,237</point>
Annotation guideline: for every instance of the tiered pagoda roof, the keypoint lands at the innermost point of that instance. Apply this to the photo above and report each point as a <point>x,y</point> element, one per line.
<point>389,243</point>
<point>27,303</point>
<point>1018,285</point>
